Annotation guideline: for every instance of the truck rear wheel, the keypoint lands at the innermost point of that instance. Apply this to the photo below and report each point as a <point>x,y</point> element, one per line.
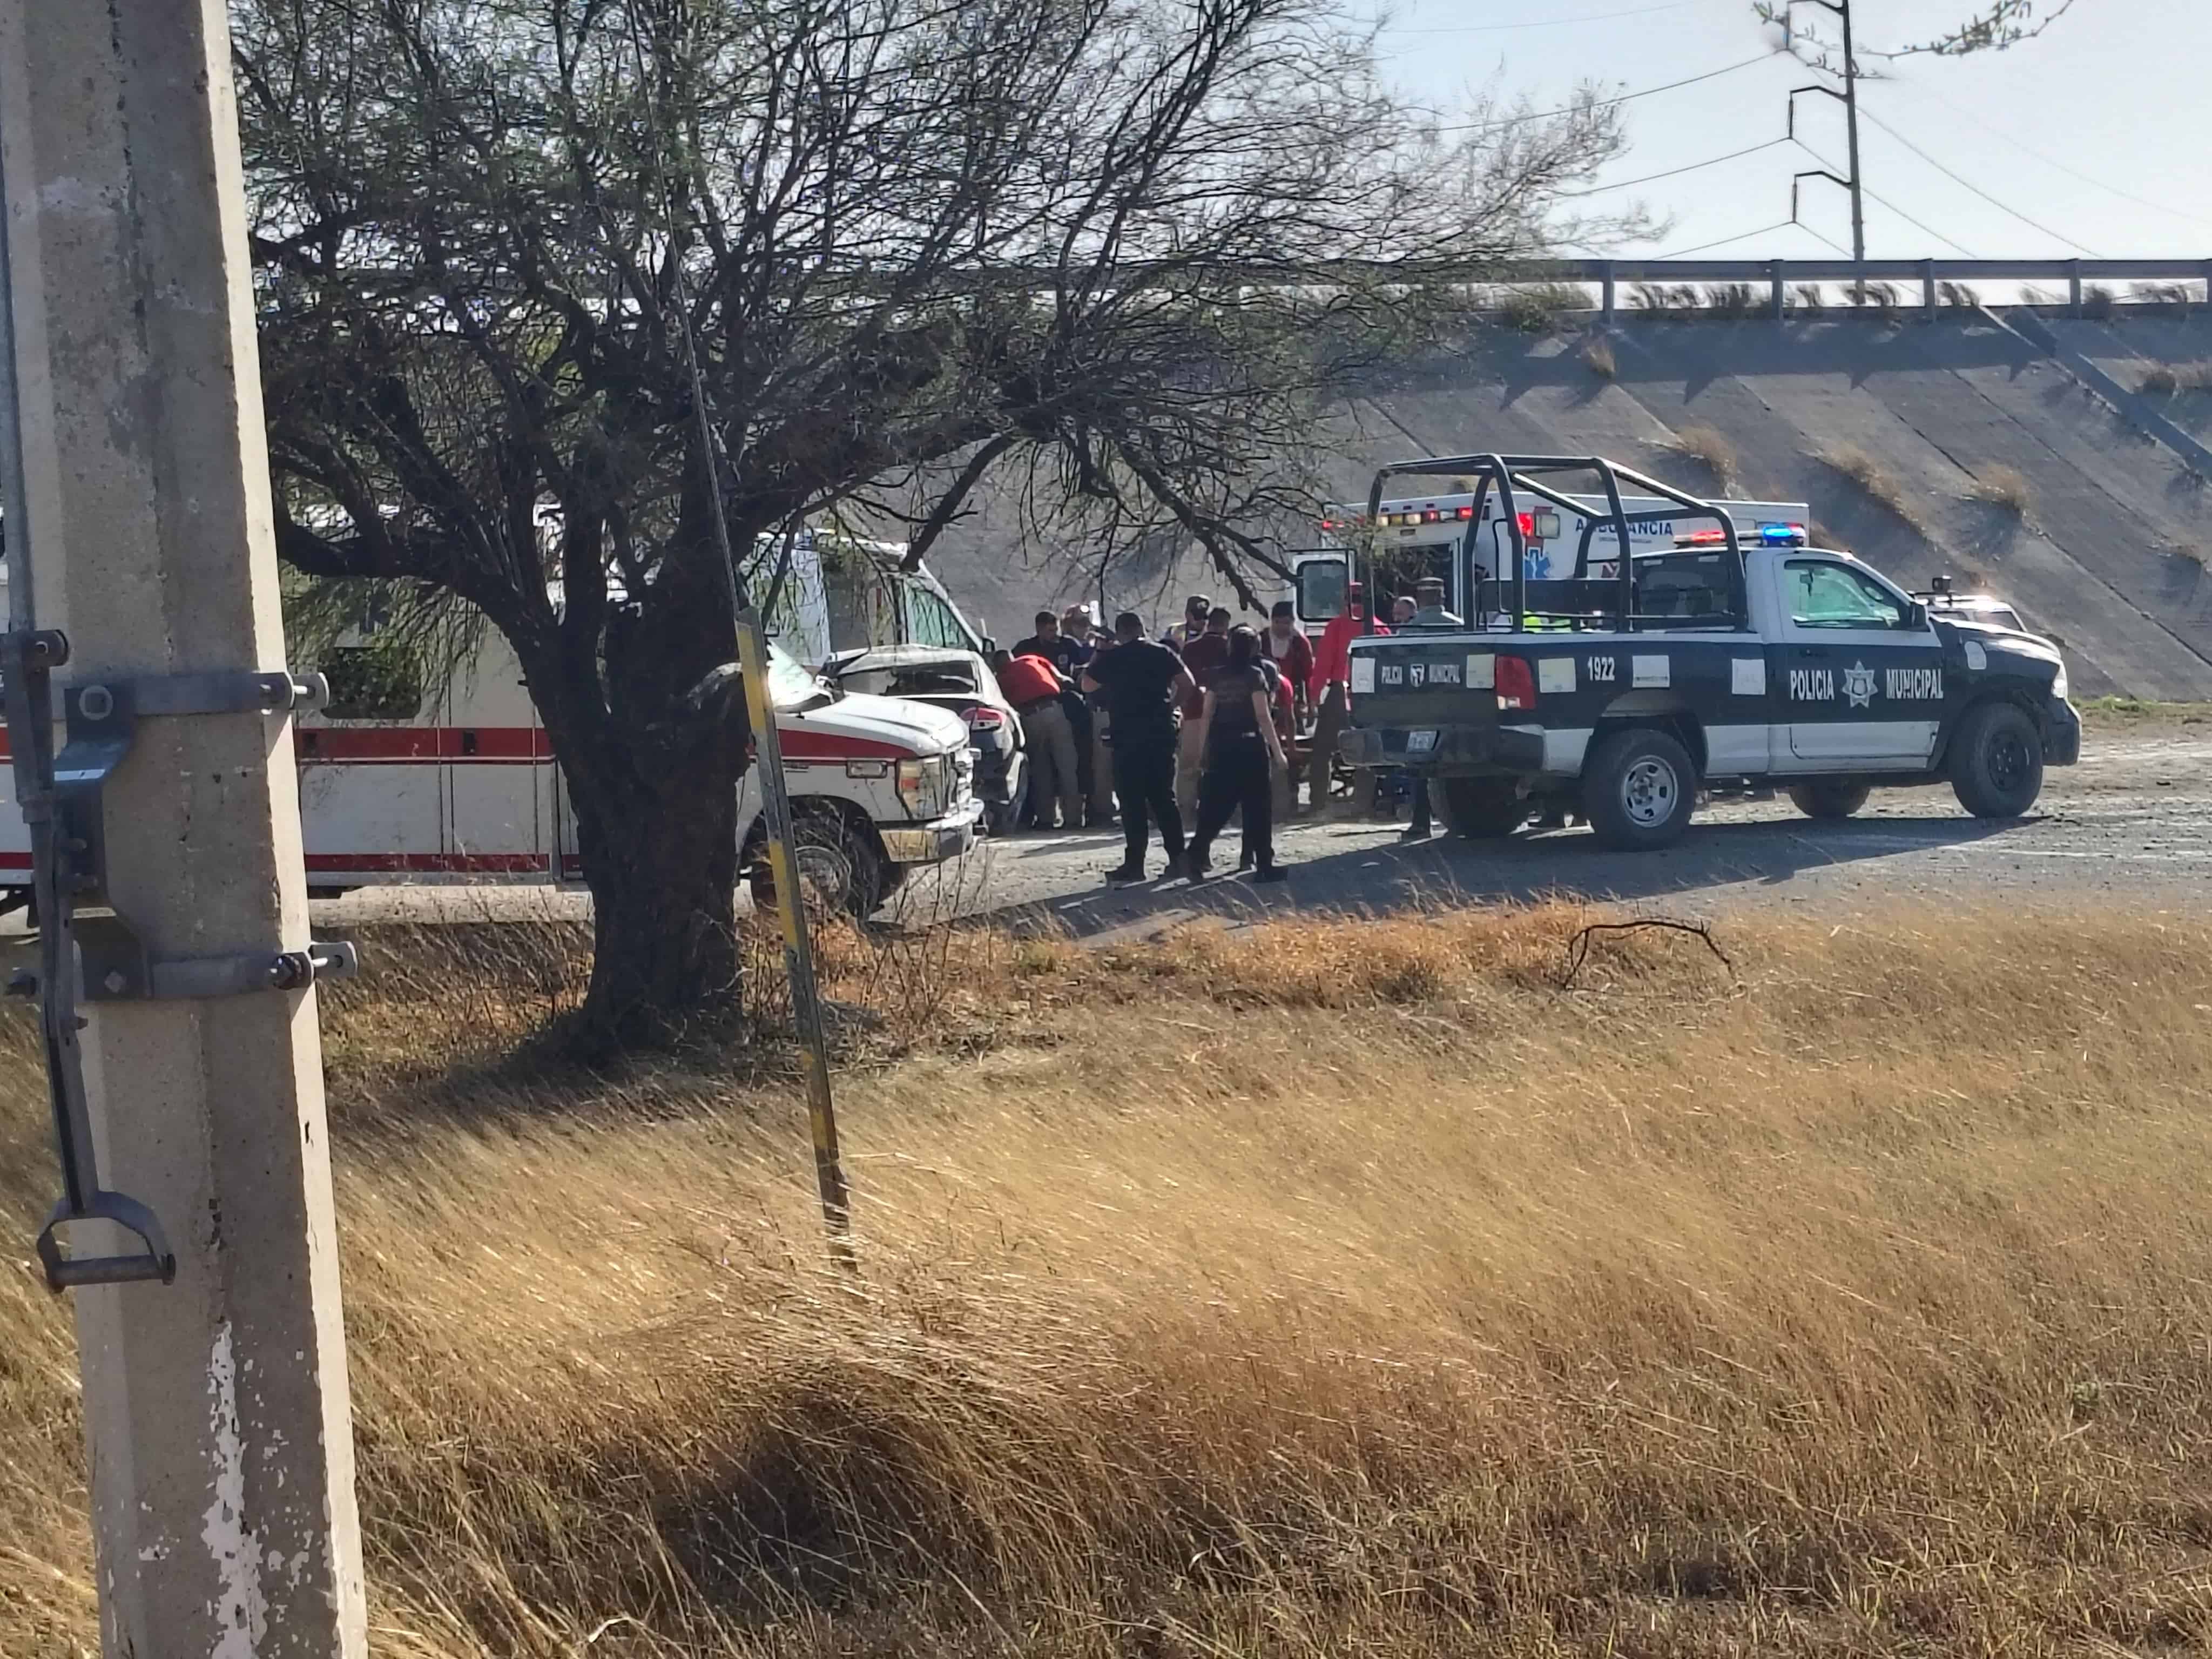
<point>1482,809</point>
<point>839,869</point>
<point>1829,798</point>
<point>1639,790</point>
<point>1997,762</point>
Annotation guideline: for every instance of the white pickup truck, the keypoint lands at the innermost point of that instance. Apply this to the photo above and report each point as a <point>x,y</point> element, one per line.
<point>1720,657</point>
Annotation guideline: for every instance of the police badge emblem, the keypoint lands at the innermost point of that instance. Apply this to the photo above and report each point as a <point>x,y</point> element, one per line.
<point>1858,684</point>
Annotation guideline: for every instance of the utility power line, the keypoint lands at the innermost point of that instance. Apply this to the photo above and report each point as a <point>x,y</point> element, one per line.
<point>1674,172</point>
<point>1924,229</point>
<point>1541,22</point>
<point>1740,236</point>
<point>1604,103</point>
<point>1967,184</point>
<point>2053,161</point>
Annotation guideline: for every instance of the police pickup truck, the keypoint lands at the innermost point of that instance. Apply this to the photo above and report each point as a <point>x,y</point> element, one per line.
<point>1650,674</point>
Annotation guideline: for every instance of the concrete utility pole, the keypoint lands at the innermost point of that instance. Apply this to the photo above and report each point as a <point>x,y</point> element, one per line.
<point>1849,98</point>
<point>216,1407</point>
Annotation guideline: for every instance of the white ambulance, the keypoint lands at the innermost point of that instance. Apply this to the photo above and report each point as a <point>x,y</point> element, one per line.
<point>404,783</point>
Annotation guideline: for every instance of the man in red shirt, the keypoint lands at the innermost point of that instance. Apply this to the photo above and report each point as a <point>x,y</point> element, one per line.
<point>1034,686</point>
<point>1331,691</point>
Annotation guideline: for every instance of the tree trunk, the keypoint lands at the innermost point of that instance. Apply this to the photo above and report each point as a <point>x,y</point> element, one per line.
<point>660,857</point>
<point>652,767</point>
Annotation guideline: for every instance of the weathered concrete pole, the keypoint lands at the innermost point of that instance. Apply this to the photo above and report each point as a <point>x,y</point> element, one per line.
<point>216,1408</point>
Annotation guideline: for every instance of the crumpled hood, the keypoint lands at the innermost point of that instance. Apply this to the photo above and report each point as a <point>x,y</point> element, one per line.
<point>920,728</point>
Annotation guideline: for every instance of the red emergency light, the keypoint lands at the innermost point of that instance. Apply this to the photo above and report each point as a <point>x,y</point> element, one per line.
<point>1703,539</point>
<point>1527,523</point>
<point>1466,512</point>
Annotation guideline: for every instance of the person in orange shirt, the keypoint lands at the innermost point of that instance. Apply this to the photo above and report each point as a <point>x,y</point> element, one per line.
<point>1330,692</point>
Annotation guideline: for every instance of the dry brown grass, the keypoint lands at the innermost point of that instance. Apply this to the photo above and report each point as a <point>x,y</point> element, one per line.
<point>2166,379</point>
<point>1310,1289</point>
<point>2005,488</point>
<point>1709,448</point>
<point>1597,353</point>
<point>1875,480</point>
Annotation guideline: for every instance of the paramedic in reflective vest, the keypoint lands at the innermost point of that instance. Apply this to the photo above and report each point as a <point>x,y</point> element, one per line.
<point>1430,612</point>
<point>1140,682</point>
<point>1331,693</point>
<point>1034,686</point>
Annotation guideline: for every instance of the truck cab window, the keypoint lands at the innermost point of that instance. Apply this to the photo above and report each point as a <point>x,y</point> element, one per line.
<point>1822,594</point>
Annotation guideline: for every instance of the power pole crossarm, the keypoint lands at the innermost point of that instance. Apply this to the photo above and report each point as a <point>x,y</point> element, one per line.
<point>215,1404</point>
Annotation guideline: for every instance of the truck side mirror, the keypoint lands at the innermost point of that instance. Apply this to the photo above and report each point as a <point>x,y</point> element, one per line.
<point>1916,617</point>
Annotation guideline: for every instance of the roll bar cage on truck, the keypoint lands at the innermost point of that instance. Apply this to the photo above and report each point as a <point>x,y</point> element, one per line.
<point>1646,674</point>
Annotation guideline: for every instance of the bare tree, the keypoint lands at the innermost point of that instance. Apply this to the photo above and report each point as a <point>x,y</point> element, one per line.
<point>1128,247</point>
<point>2002,23</point>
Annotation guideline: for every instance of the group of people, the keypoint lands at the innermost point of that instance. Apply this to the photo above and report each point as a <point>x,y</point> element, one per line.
<point>1188,730</point>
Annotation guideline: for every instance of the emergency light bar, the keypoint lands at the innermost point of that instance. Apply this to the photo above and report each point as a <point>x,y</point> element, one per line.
<point>1767,535</point>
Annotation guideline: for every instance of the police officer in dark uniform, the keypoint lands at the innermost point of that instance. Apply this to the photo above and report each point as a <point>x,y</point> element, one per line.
<point>1141,681</point>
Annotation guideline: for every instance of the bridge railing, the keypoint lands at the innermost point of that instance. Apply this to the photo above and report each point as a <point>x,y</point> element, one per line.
<point>1928,274</point>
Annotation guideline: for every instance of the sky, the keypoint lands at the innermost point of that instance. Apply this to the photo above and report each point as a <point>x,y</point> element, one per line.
<point>2048,141</point>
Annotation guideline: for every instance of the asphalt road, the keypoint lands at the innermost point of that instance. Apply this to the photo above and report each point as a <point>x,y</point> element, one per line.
<point>2127,825</point>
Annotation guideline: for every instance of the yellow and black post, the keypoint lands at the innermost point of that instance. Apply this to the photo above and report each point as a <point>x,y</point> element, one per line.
<point>798,948</point>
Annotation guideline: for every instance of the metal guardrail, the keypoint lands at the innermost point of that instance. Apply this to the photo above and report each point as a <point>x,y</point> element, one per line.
<point>1778,274</point>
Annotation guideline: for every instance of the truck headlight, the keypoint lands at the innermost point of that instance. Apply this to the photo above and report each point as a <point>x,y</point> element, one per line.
<point>2058,684</point>
<point>921,786</point>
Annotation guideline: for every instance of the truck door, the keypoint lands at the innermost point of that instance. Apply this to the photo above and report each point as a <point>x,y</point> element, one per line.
<point>1324,585</point>
<point>1860,680</point>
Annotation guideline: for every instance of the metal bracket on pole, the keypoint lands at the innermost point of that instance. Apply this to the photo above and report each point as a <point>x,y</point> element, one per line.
<point>99,958</point>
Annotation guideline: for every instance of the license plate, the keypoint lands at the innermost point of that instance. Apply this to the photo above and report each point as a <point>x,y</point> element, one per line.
<point>1421,743</point>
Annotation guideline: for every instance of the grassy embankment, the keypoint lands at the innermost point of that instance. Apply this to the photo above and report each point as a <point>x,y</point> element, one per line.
<point>1336,1289</point>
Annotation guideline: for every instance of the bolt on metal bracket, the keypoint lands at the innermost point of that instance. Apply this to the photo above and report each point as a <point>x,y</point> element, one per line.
<point>99,958</point>
<point>113,966</point>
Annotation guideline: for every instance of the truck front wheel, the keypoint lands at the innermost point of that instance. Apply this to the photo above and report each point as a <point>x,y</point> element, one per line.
<point>1830,798</point>
<point>1639,790</point>
<point>839,868</point>
<point>1483,809</point>
<point>1997,762</point>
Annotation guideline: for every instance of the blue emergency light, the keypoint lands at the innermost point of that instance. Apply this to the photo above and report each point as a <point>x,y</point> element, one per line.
<point>1782,535</point>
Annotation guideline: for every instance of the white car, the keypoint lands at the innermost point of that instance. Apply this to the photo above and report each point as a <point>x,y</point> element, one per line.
<point>962,682</point>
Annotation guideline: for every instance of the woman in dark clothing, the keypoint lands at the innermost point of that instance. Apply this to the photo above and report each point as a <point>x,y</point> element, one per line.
<point>1241,747</point>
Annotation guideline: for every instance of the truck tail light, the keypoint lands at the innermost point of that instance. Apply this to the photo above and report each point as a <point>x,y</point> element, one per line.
<point>1517,684</point>
<point>984,718</point>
